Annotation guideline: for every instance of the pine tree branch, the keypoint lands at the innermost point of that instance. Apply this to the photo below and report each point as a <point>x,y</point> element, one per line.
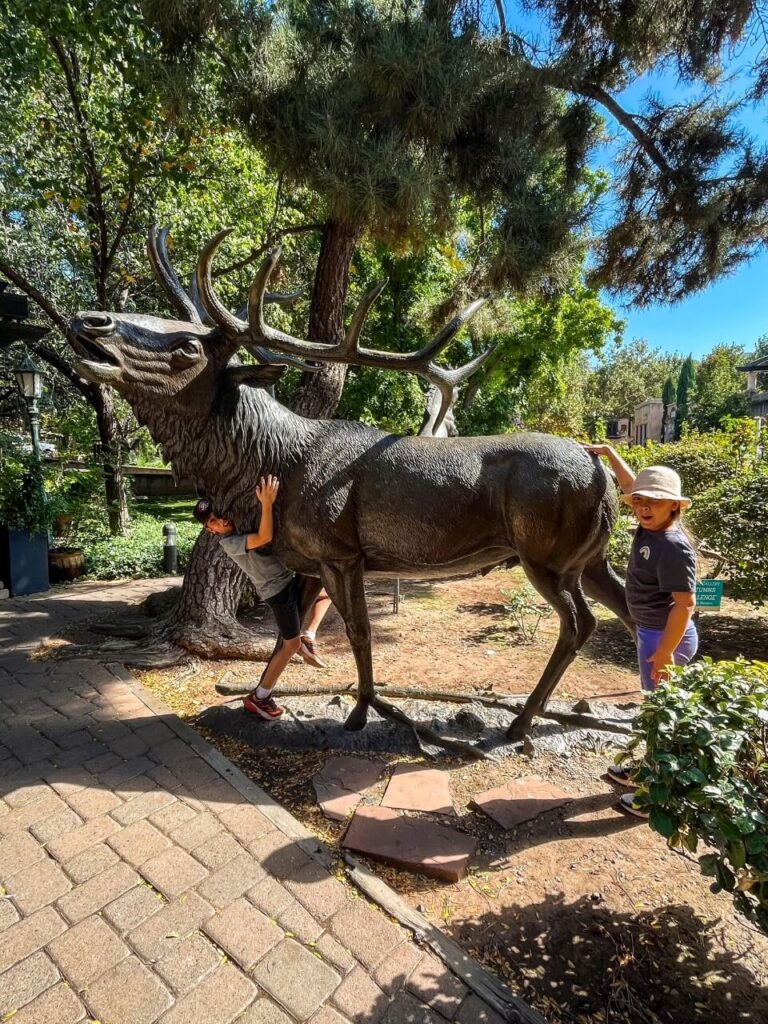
<point>258,251</point>
<point>596,92</point>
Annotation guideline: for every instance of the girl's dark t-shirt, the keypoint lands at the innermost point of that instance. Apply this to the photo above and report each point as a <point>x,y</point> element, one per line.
<point>661,563</point>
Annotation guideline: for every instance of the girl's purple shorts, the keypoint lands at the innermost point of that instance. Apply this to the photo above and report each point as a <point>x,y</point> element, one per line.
<point>647,643</point>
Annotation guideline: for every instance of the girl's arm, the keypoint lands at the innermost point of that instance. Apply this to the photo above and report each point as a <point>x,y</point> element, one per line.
<point>266,492</point>
<point>677,622</point>
<point>624,474</point>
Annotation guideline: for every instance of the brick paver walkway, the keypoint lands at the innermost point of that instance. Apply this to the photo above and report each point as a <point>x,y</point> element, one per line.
<point>146,880</point>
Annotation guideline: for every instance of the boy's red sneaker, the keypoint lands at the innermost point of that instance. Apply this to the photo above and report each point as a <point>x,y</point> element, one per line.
<point>265,707</point>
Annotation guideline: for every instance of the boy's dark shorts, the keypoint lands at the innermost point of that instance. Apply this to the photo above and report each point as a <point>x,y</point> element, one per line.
<point>285,608</point>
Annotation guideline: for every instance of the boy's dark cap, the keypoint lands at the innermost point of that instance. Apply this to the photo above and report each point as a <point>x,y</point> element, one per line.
<point>203,510</point>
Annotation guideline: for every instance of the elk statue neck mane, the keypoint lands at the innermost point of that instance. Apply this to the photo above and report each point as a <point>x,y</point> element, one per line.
<point>226,446</point>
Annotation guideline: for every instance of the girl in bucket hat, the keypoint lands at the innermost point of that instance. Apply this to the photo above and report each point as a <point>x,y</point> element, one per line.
<point>660,579</point>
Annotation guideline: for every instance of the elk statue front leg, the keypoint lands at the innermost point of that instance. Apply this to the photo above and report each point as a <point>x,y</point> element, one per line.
<point>345,587</point>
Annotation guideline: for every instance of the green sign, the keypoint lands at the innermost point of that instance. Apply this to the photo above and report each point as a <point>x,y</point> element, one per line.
<point>709,593</point>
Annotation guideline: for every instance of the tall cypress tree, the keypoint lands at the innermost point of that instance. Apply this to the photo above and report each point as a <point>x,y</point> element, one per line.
<point>686,385</point>
<point>668,396</point>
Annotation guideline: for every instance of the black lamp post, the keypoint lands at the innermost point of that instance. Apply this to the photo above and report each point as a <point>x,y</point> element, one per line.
<point>30,381</point>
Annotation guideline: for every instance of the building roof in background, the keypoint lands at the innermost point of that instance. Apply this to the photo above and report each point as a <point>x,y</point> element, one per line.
<point>756,364</point>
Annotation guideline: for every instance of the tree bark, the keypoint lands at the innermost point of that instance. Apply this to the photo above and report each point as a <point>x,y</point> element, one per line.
<point>318,394</point>
<point>204,621</point>
<point>114,478</point>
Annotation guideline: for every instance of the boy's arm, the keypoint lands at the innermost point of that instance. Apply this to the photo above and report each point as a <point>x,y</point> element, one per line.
<point>624,474</point>
<point>266,492</point>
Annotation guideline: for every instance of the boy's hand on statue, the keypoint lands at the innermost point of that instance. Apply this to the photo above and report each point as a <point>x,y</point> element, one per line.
<point>267,490</point>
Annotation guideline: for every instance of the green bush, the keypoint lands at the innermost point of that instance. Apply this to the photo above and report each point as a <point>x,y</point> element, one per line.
<point>140,554</point>
<point>23,505</point>
<point>731,518</point>
<point>702,460</point>
<point>704,777</point>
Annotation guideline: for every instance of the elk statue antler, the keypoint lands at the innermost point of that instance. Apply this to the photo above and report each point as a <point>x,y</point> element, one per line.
<point>258,337</point>
<point>189,304</point>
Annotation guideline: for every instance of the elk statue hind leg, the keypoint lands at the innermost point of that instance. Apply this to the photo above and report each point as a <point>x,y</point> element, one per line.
<point>563,592</point>
<point>602,584</point>
<point>345,587</point>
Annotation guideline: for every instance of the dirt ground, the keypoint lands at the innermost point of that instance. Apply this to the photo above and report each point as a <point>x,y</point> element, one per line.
<point>585,912</point>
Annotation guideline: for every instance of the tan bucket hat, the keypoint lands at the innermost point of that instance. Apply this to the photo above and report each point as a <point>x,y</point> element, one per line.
<point>658,482</point>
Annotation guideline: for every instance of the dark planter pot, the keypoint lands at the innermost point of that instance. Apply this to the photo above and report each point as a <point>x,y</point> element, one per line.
<point>25,562</point>
<point>66,564</point>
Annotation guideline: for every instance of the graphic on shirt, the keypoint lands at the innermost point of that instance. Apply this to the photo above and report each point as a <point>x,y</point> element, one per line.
<point>645,552</point>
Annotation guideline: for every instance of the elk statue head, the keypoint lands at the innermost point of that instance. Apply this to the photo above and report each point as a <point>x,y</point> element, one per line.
<point>153,360</point>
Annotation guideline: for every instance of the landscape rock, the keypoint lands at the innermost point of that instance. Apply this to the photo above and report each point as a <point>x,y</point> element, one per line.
<point>412,844</point>
<point>520,800</point>
<point>414,787</point>
<point>341,782</point>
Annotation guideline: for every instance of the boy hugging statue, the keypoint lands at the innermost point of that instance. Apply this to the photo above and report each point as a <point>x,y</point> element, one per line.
<point>276,585</point>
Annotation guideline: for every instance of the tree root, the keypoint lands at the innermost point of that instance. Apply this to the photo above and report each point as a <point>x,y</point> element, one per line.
<point>235,688</point>
<point>158,644</point>
<point>419,730</point>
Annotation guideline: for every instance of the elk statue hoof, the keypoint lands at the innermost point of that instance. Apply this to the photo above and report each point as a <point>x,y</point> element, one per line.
<point>357,718</point>
<point>519,729</point>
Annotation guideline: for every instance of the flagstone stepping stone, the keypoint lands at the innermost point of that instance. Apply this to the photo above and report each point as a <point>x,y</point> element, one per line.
<point>412,844</point>
<point>340,783</point>
<point>413,787</point>
<point>520,800</point>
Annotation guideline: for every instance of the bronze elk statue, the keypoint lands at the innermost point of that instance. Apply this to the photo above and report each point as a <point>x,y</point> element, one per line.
<point>355,501</point>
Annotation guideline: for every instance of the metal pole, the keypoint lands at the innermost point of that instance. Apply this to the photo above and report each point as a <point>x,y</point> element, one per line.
<point>170,551</point>
<point>34,426</point>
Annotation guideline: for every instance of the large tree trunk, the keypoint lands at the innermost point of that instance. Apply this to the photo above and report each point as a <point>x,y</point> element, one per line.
<point>204,621</point>
<point>114,478</point>
<point>318,394</point>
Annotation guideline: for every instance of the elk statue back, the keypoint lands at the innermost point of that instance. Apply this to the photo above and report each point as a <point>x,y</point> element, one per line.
<point>355,501</point>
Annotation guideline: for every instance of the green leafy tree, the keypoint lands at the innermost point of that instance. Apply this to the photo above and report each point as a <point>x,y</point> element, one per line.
<point>720,388</point>
<point>686,384</point>
<point>77,175</point>
<point>91,161</point>
<point>626,375</point>
<point>390,110</point>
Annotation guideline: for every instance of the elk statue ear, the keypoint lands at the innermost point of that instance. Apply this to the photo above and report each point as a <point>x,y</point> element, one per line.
<point>255,376</point>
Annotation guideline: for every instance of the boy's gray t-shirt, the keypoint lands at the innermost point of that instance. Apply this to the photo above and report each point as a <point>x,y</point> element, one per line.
<point>661,563</point>
<point>268,573</point>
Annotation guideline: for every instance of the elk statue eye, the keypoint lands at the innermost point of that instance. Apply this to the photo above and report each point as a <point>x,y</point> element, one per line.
<point>185,353</point>
<point>188,347</point>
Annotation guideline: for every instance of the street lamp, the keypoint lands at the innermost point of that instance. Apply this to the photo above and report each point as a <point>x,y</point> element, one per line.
<point>29,378</point>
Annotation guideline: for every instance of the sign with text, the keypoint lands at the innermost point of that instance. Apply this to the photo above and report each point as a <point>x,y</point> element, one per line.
<point>709,593</point>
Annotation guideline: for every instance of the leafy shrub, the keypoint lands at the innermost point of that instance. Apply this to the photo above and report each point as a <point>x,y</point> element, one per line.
<point>704,777</point>
<point>621,542</point>
<point>525,610</point>
<point>140,554</point>
<point>731,518</point>
<point>22,502</point>
<point>702,460</point>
